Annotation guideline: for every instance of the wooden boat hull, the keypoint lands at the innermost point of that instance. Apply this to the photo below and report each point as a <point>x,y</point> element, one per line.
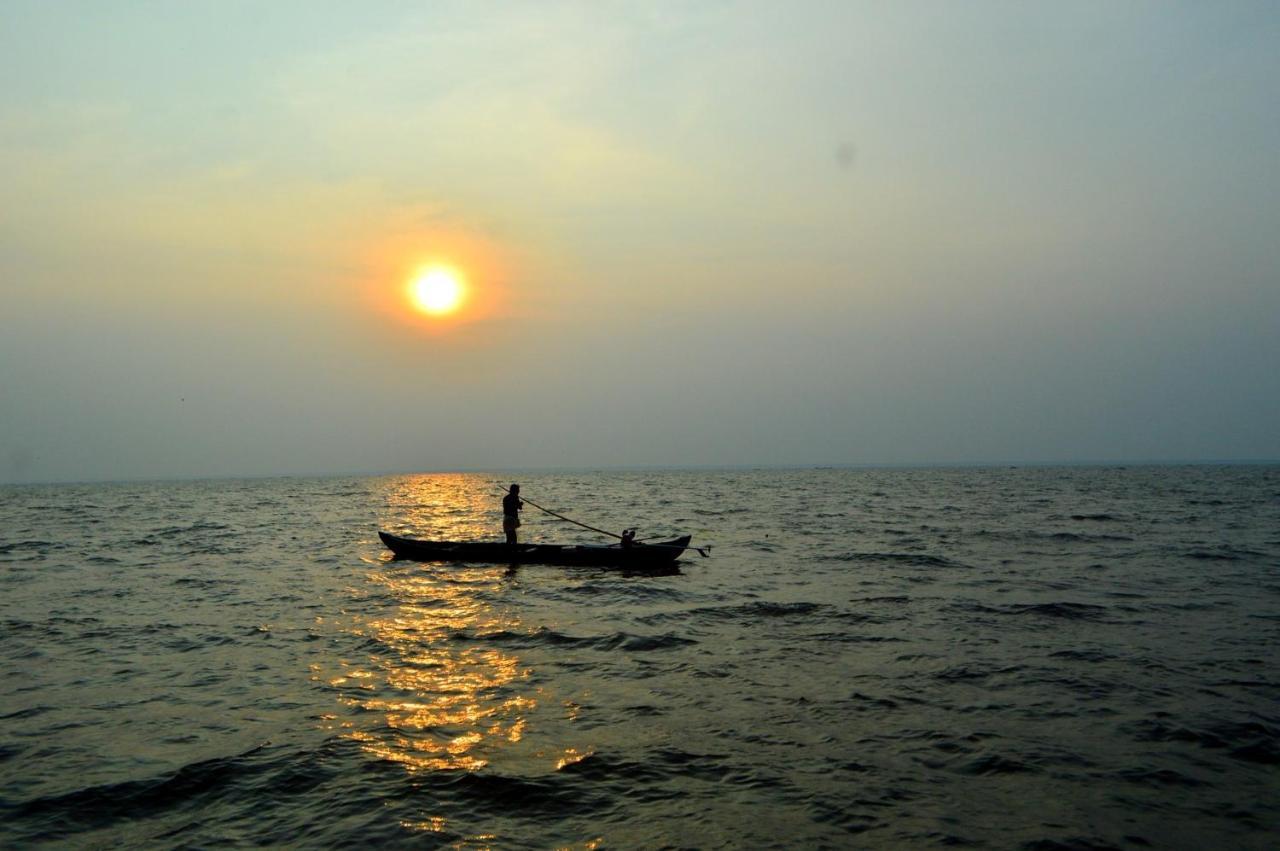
<point>638,557</point>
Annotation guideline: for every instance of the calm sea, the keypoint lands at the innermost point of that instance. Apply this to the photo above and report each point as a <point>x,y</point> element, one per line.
<point>1005,658</point>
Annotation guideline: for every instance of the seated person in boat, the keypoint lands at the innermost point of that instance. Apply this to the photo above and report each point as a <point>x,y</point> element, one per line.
<point>628,538</point>
<point>511,505</point>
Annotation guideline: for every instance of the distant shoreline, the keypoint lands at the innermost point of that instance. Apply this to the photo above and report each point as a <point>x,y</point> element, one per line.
<point>505,472</point>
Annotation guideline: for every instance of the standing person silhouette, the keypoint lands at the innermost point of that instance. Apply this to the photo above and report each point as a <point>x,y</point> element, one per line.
<point>511,505</point>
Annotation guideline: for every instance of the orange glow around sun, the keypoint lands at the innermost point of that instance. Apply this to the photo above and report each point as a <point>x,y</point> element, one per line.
<point>437,290</point>
<point>434,283</point>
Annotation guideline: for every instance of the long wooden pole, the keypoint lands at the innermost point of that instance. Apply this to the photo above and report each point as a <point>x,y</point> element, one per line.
<point>569,519</point>
<point>702,551</point>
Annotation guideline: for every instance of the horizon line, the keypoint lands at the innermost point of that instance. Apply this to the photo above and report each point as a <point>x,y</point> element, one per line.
<point>622,468</point>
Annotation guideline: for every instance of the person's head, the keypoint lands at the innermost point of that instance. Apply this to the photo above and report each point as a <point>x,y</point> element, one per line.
<point>515,489</point>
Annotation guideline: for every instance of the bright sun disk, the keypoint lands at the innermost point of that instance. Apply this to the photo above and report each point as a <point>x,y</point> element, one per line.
<point>437,291</point>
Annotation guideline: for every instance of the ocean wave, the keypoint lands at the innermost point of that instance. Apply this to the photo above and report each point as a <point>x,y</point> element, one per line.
<point>33,546</point>
<point>493,793</point>
<point>1158,778</point>
<point>1250,741</point>
<point>1058,536</point>
<point>628,592</point>
<point>1094,656</point>
<point>854,638</point>
<point>1223,553</point>
<point>863,702</point>
<point>28,712</point>
<point>750,612</point>
<point>660,764</point>
<point>996,764</point>
<point>966,672</point>
<point>910,559</point>
<point>1065,611</point>
<point>544,637</point>
<point>55,816</point>
<point>1078,843</point>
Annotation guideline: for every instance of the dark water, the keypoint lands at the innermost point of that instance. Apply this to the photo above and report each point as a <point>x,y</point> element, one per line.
<point>1036,658</point>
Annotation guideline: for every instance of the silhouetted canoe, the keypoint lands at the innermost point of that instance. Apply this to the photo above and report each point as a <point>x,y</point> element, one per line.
<point>637,556</point>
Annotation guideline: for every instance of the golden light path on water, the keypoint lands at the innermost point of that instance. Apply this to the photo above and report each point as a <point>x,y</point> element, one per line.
<point>427,695</point>
<point>448,701</point>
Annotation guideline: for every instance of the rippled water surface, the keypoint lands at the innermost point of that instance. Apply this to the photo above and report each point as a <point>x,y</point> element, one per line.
<point>1035,658</point>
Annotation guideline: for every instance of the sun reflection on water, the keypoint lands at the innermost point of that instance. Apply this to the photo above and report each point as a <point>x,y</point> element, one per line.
<point>443,706</point>
<point>442,702</point>
<point>450,507</point>
<point>432,684</point>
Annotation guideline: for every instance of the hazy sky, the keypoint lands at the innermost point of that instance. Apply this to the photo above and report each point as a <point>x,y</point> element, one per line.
<point>694,233</point>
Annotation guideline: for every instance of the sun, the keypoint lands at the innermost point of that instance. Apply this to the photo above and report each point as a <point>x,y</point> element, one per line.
<point>437,291</point>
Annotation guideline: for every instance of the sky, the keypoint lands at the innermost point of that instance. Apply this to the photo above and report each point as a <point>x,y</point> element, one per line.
<point>691,233</point>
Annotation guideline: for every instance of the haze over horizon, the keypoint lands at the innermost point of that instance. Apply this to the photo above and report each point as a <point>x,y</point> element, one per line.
<point>714,235</point>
